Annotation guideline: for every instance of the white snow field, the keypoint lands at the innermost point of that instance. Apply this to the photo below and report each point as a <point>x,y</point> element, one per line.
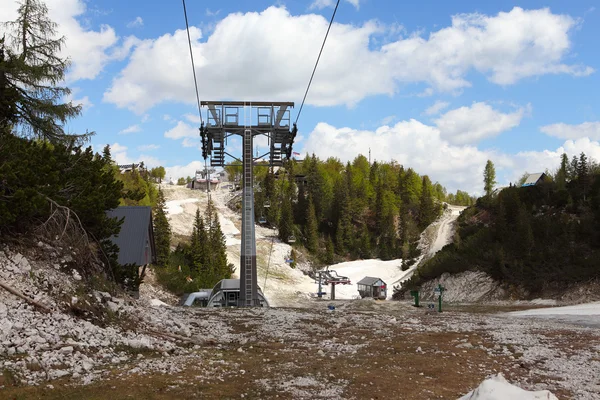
<point>498,388</point>
<point>285,286</point>
<point>580,314</point>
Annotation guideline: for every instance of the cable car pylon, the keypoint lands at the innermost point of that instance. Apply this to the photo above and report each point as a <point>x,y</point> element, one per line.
<point>271,119</point>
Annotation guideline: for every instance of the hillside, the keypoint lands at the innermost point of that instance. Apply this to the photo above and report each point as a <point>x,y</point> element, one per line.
<point>536,240</point>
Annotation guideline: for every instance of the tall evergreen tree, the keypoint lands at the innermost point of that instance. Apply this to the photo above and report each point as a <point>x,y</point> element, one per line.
<point>218,268</point>
<point>32,75</point>
<point>199,246</point>
<point>489,178</point>
<point>329,251</point>
<point>563,172</point>
<point>583,176</point>
<point>574,167</point>
<point>311,233</point>
<point>286,220</point>
<point>162,230</point>
<point>427,208</point>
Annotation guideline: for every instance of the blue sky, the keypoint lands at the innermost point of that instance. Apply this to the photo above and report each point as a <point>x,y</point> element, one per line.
<point>436,85</point>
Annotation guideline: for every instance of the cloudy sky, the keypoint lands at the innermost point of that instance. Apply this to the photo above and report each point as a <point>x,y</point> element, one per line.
<point>440,86</point>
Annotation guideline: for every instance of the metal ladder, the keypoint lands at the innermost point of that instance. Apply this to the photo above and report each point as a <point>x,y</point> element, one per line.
<point>248,211</point>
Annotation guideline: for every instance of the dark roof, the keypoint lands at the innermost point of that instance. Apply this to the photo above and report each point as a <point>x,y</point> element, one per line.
<point>369,281</point>
<point>229,284</point>
<point>136,238</point>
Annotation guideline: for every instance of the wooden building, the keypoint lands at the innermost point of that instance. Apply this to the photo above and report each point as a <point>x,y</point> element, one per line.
<point>370,287</point>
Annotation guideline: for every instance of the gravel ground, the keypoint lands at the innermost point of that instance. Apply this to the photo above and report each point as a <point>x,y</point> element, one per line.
<point>313,352</point>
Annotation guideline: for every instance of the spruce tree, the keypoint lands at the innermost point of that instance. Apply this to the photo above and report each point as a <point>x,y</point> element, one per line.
<point>311,233</point>
<point>217,268</point>
<point>286,220</point>
<point>563,172</point>
<point>32,73</point>
<point>574,168</point>
<point>489,178</point>
<point>162,231</point>
<point>583,174</point>
<point>198,251</point>
<point>427,208</point>
<point>339,238</point>
<point>329,251</point>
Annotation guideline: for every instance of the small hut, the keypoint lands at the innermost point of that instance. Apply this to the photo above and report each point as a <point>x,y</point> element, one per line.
<point>226,293</point>
<point>534,179</point>
<point>372,288</point>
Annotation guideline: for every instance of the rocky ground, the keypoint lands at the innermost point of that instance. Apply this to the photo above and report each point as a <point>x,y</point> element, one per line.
<point>96,345</point>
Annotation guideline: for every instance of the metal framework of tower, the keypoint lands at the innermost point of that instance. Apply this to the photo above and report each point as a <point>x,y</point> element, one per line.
<point>271,119</point>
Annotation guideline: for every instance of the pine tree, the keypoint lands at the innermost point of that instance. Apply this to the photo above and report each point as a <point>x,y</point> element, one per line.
<point>106,154</point>
<point>286,220</point>
<point>310,232</point>
<point>31,75</point>
<point>427,208</point>
<point>489,178</point>
<point>199,246</point>
<point>329,251</point>
<point>218,268</point>
<point>583,176</point>
<point>162,231</point>
<point>563,172</point>
<point>339,238</point>
<point>574,168</point>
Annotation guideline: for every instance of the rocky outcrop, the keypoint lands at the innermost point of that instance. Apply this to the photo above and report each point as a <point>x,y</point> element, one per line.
<point>469,286</point>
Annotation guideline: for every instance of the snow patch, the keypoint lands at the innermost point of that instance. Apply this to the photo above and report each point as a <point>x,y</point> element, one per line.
<point>175,206</point>
<point>498,388</point>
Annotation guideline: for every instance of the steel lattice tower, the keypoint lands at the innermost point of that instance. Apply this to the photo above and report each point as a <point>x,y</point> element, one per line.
<point>271,119</point>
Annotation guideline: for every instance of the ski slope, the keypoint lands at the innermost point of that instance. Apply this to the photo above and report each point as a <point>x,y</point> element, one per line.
<point>390,271</point>
<point>282,285</point>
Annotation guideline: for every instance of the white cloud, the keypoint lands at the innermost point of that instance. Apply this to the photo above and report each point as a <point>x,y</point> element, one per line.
<point>384,121</point>
<point>131,129</point>
<point>150,161</point>
<point>84,101</point>
<point>565,131</point>
<point>119,154</point>
<point>422,147</point>
<point>412,144</point>
<point>138,21</point>
<point>167,117</point>
<point>210,13</point>
<point>193,118</point>
<point>436,107</point>
<point>539,161</point>
<point>148,147</point>
<point>89,50</point>
<point>320,4</point>
<point>145,118</point>
<point>182,130</point>
<point>505,48</point>
<point>191,142</point>
<point>472,124</point>
<point>181,171</point>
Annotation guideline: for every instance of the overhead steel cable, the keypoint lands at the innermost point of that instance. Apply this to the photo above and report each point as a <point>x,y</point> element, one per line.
<point>317,63</point>
<point>187,27</point>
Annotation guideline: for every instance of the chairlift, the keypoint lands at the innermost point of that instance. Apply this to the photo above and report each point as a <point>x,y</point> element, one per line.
<point>267,204</point>
<point>291,239</point>
<point>262,220</point>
